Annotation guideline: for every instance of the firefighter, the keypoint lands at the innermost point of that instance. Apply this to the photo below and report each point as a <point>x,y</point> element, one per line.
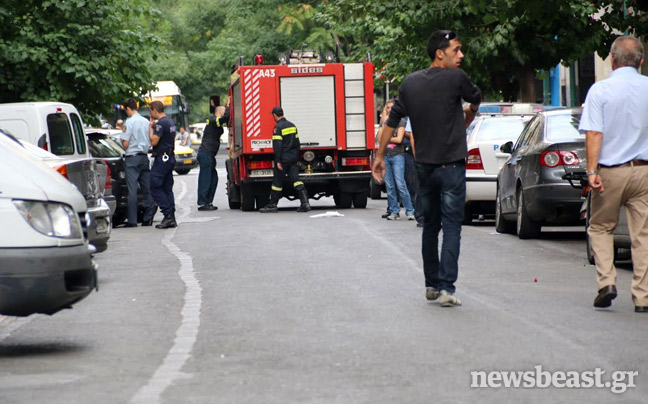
<point>285,143</point>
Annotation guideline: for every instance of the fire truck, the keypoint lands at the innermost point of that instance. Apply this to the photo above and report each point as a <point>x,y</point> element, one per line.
<point>332,106</point>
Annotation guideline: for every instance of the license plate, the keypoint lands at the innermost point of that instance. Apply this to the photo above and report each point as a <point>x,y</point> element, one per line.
<point>187,161</point>
<point>260,173</point>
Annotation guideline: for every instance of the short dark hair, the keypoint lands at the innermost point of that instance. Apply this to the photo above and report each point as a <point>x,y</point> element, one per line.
<point>131,103</point>
<point>440,40</point>
<point>157,105</point>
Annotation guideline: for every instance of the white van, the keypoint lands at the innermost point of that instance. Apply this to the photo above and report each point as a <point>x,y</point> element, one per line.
<point>54,126</point>
<point>57,127</point>
<point>45,261</point>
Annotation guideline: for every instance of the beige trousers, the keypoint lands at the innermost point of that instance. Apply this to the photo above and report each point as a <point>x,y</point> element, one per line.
<point>624,186</point>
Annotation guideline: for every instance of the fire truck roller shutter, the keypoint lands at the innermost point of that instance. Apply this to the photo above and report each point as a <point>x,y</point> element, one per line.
<point>354,101</point>
<point>309,103</point>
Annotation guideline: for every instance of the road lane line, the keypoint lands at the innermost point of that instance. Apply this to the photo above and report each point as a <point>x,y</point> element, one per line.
<point>186,335</point>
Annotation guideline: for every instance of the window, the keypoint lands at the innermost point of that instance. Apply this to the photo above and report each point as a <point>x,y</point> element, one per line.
<point>496,129</point>
<point>100,147</point>
<point>60,134</point>
<point>526,134</point>
<point>563,127</point>
<point>79,134</point>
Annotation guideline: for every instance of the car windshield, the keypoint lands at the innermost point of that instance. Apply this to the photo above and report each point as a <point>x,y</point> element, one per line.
<point>563,127</point>
<point>493,129</point>
<point>101,147</point>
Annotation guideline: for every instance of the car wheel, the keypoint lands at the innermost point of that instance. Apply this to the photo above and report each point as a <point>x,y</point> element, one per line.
<point>183,171</point>
<point>526,228</point>
<point>468,215</point>
<point>501,224</point>
<point>343,200</point>
<point>360,200</point>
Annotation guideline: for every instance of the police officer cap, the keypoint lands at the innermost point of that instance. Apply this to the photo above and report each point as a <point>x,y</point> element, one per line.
<point>278,111</point>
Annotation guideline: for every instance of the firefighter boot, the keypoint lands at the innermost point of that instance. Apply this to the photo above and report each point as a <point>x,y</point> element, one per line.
<point>271,207</point>
<point>303,198</point>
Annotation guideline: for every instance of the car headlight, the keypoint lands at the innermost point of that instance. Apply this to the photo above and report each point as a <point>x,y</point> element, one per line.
<point>50,218</point>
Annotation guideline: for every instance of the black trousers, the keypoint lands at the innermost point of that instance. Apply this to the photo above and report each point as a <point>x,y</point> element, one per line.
<point>279,176</point>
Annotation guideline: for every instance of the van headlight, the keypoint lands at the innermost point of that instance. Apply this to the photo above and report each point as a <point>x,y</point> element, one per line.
<point>50,218</point>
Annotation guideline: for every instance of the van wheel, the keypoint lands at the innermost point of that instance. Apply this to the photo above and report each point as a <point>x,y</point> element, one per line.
<point>501,224</point>
<point>526,228</point>
<point>183,171</point>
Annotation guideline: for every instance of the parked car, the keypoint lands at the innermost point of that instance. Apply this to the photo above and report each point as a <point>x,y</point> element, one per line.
<point>45,262</point>
<point>57,127</point>
<point>484,160</point>
<point>83,174</point>
<point>531,191</point>
<point>186,159</point>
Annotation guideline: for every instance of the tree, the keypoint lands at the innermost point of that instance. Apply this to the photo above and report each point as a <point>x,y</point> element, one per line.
<point>506,41</point>
<point>90,54</point>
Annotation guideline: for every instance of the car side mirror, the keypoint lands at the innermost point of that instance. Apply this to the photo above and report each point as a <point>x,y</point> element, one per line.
<point>506,147</point>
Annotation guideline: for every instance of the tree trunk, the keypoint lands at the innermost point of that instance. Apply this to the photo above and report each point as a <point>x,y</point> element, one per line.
<point>526,78</point>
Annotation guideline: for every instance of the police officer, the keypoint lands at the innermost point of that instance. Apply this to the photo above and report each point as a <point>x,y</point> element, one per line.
<point>162,132</point>
<point>285,143</point>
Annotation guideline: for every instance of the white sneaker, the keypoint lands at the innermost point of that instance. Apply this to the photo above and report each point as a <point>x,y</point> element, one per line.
<point>393,216</point>
<point>411,217</point>
<point>448,300</point>
<point>431,293</point>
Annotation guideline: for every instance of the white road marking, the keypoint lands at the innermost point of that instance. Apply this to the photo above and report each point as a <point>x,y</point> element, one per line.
<point>11,324</point>
<point>171,368</point>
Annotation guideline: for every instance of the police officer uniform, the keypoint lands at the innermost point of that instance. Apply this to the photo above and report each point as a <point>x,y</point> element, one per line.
<point>162,170</point>
<point>285,143</point>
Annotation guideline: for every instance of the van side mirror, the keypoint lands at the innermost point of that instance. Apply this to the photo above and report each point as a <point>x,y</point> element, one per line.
<point>506,147</point>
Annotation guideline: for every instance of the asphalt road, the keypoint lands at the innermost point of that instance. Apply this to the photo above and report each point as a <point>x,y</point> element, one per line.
<point>240,307</point>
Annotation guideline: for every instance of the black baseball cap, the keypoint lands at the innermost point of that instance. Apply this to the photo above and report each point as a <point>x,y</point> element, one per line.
<point>278,111</point>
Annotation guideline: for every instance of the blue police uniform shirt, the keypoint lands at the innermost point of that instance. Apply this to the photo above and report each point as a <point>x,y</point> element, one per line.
<point>165,128</point>
<point>137,135</point>
<point>618,107</point>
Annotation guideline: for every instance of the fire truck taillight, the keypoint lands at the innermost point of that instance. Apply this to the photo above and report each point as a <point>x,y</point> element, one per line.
<point>258,59</point>
<point>259,165</point>
<point>355,161</point>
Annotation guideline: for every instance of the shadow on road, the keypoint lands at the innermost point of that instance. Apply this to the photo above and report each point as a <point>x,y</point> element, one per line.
<point>36,349</point>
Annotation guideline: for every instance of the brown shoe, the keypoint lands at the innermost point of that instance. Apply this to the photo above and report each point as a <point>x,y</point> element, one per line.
<point>605,296</point>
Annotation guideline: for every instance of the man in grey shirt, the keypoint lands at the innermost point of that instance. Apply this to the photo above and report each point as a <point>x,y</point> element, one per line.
<point>136,142</point>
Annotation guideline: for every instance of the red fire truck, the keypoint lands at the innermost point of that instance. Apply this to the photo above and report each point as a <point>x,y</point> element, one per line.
<point>332,106</point>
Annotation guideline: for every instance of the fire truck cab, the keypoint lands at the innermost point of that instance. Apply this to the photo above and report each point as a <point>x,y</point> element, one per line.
<point>332,106</point>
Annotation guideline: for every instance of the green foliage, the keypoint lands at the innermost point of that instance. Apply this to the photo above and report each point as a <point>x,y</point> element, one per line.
<point>88,53</point>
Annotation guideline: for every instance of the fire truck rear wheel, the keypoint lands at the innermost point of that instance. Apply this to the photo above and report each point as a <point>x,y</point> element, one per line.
<point>233,190</point>
<point>262,201</point>
<point>247,200</point>
<point>360,200</point>
<point>343,200</point>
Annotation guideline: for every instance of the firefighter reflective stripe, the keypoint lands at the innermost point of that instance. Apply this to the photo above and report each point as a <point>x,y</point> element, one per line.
<point>288,131</point>
<point>278,189</point>
<point>277,137</point>
<point>297,183</point>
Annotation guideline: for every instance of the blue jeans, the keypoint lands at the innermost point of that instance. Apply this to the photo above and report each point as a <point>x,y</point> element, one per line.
<point>443,196</point>
<point>395,184</point>
<point>207,178</point>
<point>138,175</point>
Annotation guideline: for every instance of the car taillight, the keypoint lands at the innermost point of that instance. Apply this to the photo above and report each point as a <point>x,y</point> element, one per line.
<point>554,158</point>
<point>62,169</point>
<point>355,161</point>
<point>108,176</point>
<point>474,161</point>
<point>259,165</point>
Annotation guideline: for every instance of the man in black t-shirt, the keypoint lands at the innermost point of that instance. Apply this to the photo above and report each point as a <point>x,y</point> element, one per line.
<point>162,132</point>
<point>432,98</point>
